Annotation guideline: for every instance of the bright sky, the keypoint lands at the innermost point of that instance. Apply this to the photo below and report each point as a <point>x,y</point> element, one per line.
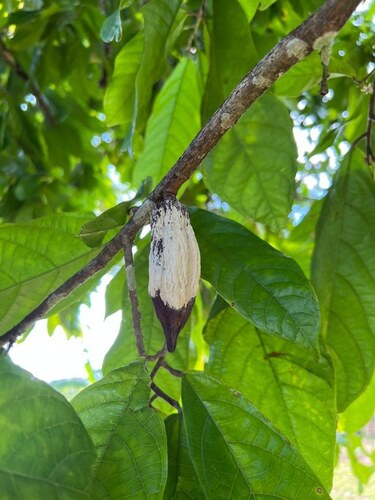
<point>54,358</point>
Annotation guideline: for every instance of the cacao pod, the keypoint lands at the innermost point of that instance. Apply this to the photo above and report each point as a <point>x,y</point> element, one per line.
<point>174,267</point>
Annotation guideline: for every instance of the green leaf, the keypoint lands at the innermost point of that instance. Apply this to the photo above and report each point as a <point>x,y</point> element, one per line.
<point>254,165</point>
<point>360,412</point>
<point>159,17</point>
<point>93,232</point>
<point>138,66</point>
<point>301,77</point>
<point>264,4</point>
<point>174,122</point>
<point>236,451</point>
<point>128,435</point>
<point>45,452</point>
<point>343,273</point>
<point>300,243</point>
<point>114,293</point>
<point>295,393</point>
<point>182,478</point>
<point>250,7</point>
<point>262,284</point>
<point>232,53</point>
<point>119,98</point>
<point>112,28</point>
<point>307,74</point>
<point>35,259</point>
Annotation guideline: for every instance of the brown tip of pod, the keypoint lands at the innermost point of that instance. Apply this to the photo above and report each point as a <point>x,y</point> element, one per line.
<point>172,320</point>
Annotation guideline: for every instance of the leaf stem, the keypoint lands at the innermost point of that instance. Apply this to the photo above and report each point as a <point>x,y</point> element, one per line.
<point>133,297</point>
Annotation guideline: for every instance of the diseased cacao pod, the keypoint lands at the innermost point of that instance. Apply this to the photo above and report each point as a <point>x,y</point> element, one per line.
<point>174,267</point>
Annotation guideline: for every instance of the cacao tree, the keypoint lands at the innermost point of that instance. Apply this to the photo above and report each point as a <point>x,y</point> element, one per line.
<point>258,116</point>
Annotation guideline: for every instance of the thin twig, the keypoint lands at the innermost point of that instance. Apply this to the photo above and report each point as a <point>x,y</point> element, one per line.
<point>133,297</point>
<point>370,157</point>
<point>294,47</point>
<point>157,355</point>
<point>172,371</point>
<point>161,394</point>
<point>17,68</point>
<point>199,18</point>
<point>158,364</point>
<point>324,80</point>
<point>162,363</point>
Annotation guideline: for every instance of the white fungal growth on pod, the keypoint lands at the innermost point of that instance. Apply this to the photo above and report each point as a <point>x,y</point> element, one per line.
<point>174,267</point>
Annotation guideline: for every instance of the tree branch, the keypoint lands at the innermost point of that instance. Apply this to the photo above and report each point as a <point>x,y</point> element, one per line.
<point>313,34</point>
<point>133,297</point>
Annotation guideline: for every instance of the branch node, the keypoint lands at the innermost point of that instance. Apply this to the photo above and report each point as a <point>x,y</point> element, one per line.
<point>159,393</point>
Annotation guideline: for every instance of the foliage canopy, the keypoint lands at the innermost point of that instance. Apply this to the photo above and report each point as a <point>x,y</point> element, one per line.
<point>99,100</point>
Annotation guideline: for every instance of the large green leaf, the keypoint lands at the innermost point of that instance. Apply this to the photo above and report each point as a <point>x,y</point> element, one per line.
<point>254,165</point>
<point>262,284</point>
<point>139,64</point>
<point>232,52</point>
<point>45,452</point>
<point>174,122</point>
<point>360,412</point>
<point>343,272</point>
<point>182,478</point>
<point>119,99</point>
<point>159,16</point>
<point>296,394</point>
<point>236,451</point>
<point>36,258</point>
<point>128,435</point>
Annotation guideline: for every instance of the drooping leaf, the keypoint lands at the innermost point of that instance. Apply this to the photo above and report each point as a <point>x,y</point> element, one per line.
<point>360,412</point>
<point>236,451</point>
<point>232,52</point>
<point>159,16</point>
<point>128,435</point>
<point>112,28</point>
<point>343,273</point>
<point>262,284</point>
<point>295,393</point>
<point>174,122</point>
<point>119,99</point>
<point>182,478</point>
<point>35,259</point>
<point>254,165</point>
<point>45,452</point>
<point>138,66</point>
